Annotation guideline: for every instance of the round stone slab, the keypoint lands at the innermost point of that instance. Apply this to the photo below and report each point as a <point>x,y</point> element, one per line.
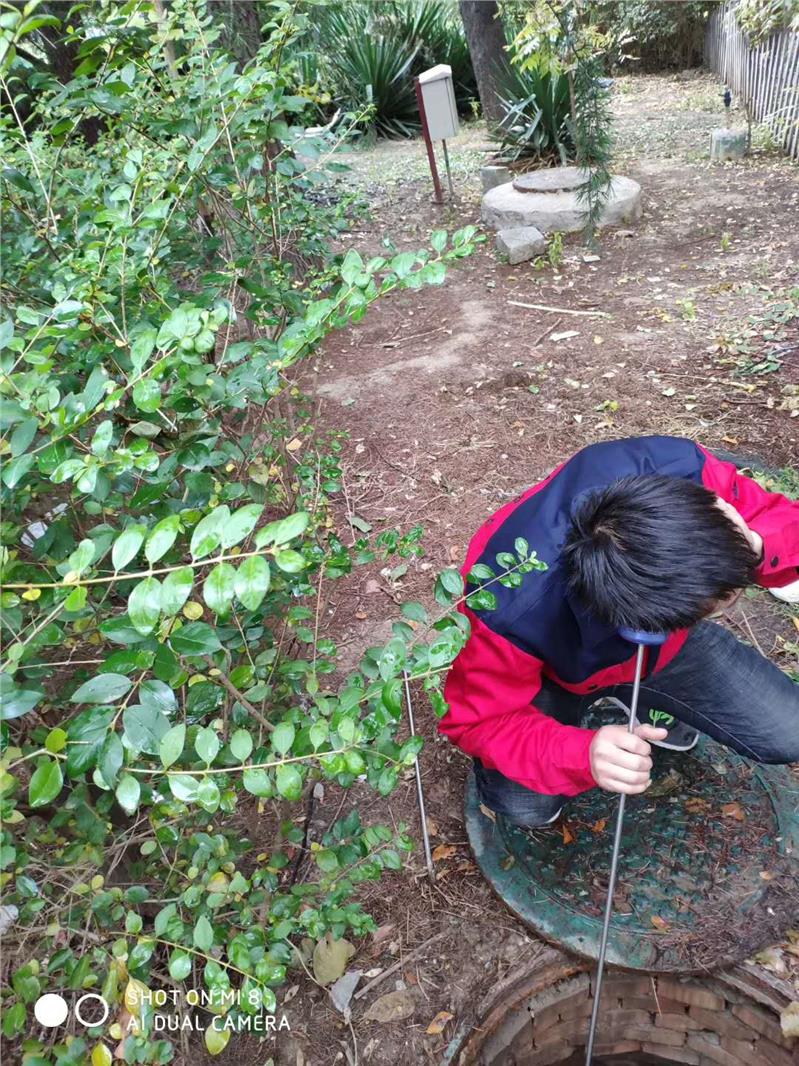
<point>707,873</point>
<point>557,206</point>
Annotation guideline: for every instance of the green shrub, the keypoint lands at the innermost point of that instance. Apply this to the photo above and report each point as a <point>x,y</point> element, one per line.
<point>168,535</point>
<point>373,51</point>
<point>537,112</point>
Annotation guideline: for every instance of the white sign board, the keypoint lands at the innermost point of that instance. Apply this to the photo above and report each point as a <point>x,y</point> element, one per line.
<point>438,95</point>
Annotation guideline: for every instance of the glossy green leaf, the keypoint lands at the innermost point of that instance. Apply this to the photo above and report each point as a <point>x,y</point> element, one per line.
<point>241,745</point>
<point>290,561</point>
<point>283,531</point>
<point>241,524</point>
<point>183,787</point>
<point>128,793</point>
<point>171,744</point>
<point>206,744</point>
<point>289,782</point>
<point>219,588</point>
<point>162,538</point>
<point>104,688</point>
<point>196,638</point>
<point>144,605</point>
<point>127,545</point>
<point>179,965</point>
<point>207,535</point>
<point>203,935</point>
<point>257,782</point>
<point>111,759</point>
<point>144,727</point>
<point>251,582</point>
<point>45,783</point>
<point>283,737</point>
<point>176,589</point>
<point>146,395</point>
<point>157,694</point>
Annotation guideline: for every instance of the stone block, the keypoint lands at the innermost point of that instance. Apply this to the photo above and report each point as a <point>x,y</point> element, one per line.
<point>714,1052</point>
<point>721,1022</point>
<point>776,1056</point>
<point>727,144</point>
<point>492,175</point>
<point>621,1047</point>
<point>744,1049</point>
<point>762,1021</point>
<point>691,994</point>
<point>520,243</point>
<point>667,1006</point>
<point>672,1054</point>
<point>644,1034</point>
<point>680,1022</point>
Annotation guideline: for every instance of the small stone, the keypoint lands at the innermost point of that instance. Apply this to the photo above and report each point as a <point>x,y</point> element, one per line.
<point>493,175</point>
<point>727,144</point>
<point>392,1007</point>
<point>520,243</point>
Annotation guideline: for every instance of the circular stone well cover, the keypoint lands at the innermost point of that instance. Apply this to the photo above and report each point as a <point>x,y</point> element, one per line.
<point>707,873</point>
<point>550,200</point>
<point>554,180</point>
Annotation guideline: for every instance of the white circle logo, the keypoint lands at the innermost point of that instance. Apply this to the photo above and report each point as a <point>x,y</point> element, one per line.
<point>91,1022</point>
<point>51,1010</point>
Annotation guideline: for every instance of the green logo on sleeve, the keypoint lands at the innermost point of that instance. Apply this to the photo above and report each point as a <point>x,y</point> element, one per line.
<point>661,718</point>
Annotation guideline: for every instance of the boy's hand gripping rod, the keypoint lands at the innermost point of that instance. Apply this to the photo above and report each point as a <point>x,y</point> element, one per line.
<point>643,640</point>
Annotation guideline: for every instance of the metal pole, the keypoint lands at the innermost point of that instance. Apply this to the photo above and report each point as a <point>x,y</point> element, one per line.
<point>431,156</point>
<point>614,863</point>
<point>449,172</point>
<point>428,858</point>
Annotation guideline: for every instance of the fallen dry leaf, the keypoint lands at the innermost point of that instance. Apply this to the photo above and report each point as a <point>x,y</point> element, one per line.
<point>772,959</point>
<point>488,812</point>
<point>438,1023</point>
<point>330,958</point>
<point>658,922</point>
<point>599,826</point>
<point>697,805</point>
<point>789,1020</point>
<point>568,835</point>
<point>432,828</point>
<point>734,810</point>
<point>443,851</point>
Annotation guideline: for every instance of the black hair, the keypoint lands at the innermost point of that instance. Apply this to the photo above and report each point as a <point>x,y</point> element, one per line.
<point>654,552</point>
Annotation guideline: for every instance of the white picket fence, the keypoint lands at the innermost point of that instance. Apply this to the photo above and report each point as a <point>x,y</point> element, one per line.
<point>765,79</point>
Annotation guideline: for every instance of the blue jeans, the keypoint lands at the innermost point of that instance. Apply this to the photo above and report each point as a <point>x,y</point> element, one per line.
<point>715,683</point>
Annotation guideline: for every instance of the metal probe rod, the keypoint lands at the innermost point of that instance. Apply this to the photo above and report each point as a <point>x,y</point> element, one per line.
<point>614,863</point>
<point>428,858</point>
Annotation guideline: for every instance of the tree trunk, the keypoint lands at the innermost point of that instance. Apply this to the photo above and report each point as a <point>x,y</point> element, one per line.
<point>486,40</point>
<point>241,22</point>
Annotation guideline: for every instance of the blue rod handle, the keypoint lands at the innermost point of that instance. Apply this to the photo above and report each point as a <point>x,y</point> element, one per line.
<point>641,636</point>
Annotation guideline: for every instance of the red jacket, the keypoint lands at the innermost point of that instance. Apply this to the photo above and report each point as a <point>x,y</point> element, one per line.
<point>538,631</point>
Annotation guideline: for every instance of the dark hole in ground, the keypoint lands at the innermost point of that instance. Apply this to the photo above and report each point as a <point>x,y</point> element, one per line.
<point>634,1058</point>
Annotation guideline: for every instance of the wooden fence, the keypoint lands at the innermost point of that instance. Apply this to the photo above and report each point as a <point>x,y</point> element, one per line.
<point>764,78</point>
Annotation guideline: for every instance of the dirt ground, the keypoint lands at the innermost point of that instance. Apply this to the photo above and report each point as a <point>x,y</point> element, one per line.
<point>456,398</point>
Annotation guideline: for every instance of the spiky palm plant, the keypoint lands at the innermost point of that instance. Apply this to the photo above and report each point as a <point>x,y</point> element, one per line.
<point>536,124</point>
